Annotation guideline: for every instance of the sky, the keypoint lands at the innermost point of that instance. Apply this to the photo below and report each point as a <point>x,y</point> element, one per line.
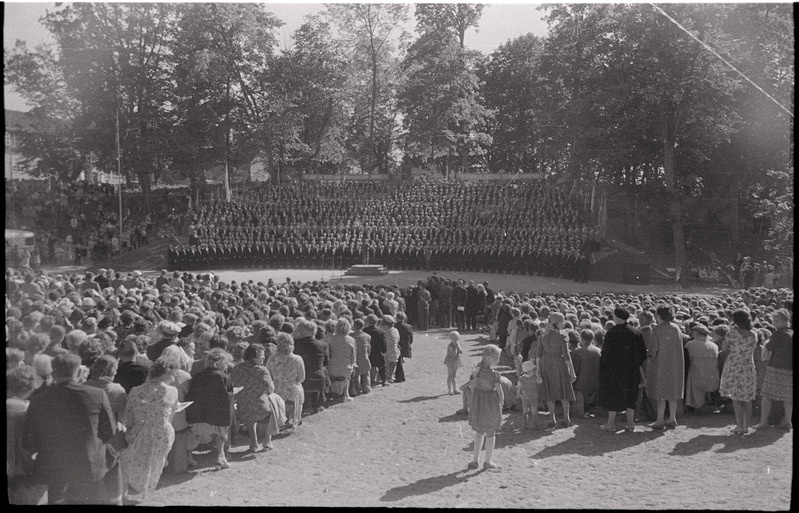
<point>499,23</point>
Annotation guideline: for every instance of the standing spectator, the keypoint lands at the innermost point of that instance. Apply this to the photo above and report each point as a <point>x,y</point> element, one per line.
<point>21,381</point>
<point>150,433</point>
<point>778,383</point>
<point>472,306</point>
<point>665,380</point>
<point>70,426</point>
<point>342,359</point>
<point>423,307</point>
<point>391,337</point>
<point>703,367</point>
<point>405,342</point>
<point>314,356</point>
<point>377,352</point>
<point>459,297</point>
<point>586,365</point>
<point>555,368</point>
<point>739,378</point>
<point>623,352</point>
<point>211,415</point>
<point>360,383</point>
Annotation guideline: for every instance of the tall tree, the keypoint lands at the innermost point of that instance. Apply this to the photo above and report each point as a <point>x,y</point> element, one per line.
<point>650,82</point>
<point>456,18</point>
<point>443,113</point>
<point>369,31</point>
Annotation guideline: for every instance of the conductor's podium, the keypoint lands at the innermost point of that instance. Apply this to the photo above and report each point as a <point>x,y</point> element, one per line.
<point>366,270</point>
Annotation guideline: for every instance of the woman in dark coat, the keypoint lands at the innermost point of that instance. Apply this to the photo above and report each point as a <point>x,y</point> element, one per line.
<point>623,352</point>
<point>211,415</point>
<point>314,356</point>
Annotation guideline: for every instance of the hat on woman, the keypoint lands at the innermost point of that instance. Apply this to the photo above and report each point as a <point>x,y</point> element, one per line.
<point>621,313</point>
<point>389,319</point>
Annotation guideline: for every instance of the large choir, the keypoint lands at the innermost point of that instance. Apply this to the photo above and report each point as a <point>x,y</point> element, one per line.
<point>111,382</point>
<point>523,228</point>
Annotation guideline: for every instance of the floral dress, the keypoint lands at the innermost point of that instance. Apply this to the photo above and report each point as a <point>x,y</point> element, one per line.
<point>485,408</point>
<point>392,338</point>
<point>252,404</point>
<point>288,373</point>
<point>739,377</point>
<point>150,434</point>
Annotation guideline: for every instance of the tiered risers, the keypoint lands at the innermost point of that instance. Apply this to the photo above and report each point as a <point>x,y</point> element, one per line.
<point>366,270</point>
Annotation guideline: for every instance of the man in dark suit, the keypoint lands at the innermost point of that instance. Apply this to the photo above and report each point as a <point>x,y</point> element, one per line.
<point>445,304</point>
<point>377,355</point>
<point>459,296</point>
<point>472,306</point>
<point>69,427</point>
<point>314,355</point>
<point>405,341</point>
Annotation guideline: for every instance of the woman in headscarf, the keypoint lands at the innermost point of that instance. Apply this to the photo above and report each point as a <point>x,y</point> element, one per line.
<point>666,379</point>
<point>703,367</point>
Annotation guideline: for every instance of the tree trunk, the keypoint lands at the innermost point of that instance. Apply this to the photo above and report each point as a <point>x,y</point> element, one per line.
<point>732,213</point>
<point>675,200</point>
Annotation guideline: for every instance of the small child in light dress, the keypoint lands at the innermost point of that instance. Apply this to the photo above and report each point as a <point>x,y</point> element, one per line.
<point>485,407</point>
<point>527,391</point>
<point>453,361</point>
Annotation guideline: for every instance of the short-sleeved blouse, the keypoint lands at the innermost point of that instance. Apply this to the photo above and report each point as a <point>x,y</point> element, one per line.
<point>288,372</point>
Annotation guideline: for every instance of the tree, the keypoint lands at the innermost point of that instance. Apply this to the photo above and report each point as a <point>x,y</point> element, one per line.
<point>649,82</point>
<point>56,144</point>
<point>442,109</point>
<point>367,30</point>
<point>314,77</point>
<point>514,90</point>
<point>226,80</point>
<point>455,18</point>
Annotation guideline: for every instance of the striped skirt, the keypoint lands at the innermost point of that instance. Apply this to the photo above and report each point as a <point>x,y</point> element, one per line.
<point>778,384</point>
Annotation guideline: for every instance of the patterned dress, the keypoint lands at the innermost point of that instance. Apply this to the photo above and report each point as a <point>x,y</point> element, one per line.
<point>150,434</point>
<point>554,352</point>
<point>288,373</point>
<point>739,378</point>
<point>485,409</point>
<point>252,403</point>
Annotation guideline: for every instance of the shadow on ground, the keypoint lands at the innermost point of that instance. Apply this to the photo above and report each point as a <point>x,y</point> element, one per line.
<point>421,398</point>
<point>731,442</point>
<point>589,440</point>
<point>426,485</point>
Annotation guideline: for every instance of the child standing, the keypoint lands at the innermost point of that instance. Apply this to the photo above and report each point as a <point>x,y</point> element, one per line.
<point>453,361</point>
<point>485,408</point>
<point>527,390</point>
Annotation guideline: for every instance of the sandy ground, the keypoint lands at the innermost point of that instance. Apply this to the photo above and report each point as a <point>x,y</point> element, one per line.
<point>404,445</point>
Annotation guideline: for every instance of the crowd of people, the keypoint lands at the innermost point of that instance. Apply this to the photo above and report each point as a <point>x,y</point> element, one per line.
<point>111,380</point>
<point>77,222</point>
<point>520,228</point>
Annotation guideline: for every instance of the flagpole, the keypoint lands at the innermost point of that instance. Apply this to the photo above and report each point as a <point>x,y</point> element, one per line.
<point>119,172</point>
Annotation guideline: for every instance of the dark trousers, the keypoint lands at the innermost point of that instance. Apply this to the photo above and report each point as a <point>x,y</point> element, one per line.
<point>399,374</point>
<point>460,319</point>
<point>444,315</point>
<point>102,491</point>
<point>471,321</point>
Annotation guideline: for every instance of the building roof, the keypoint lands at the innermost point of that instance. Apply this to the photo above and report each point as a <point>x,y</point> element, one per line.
<point>19,121</point>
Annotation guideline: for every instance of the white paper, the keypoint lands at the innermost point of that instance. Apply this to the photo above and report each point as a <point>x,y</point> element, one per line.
<point>183,406</point>
<point>236,390</point>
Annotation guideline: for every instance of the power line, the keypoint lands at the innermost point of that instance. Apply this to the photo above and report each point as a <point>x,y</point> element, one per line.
<point>725,61</point>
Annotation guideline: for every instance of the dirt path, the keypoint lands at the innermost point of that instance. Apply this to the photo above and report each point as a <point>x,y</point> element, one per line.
<point>403,445</point>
